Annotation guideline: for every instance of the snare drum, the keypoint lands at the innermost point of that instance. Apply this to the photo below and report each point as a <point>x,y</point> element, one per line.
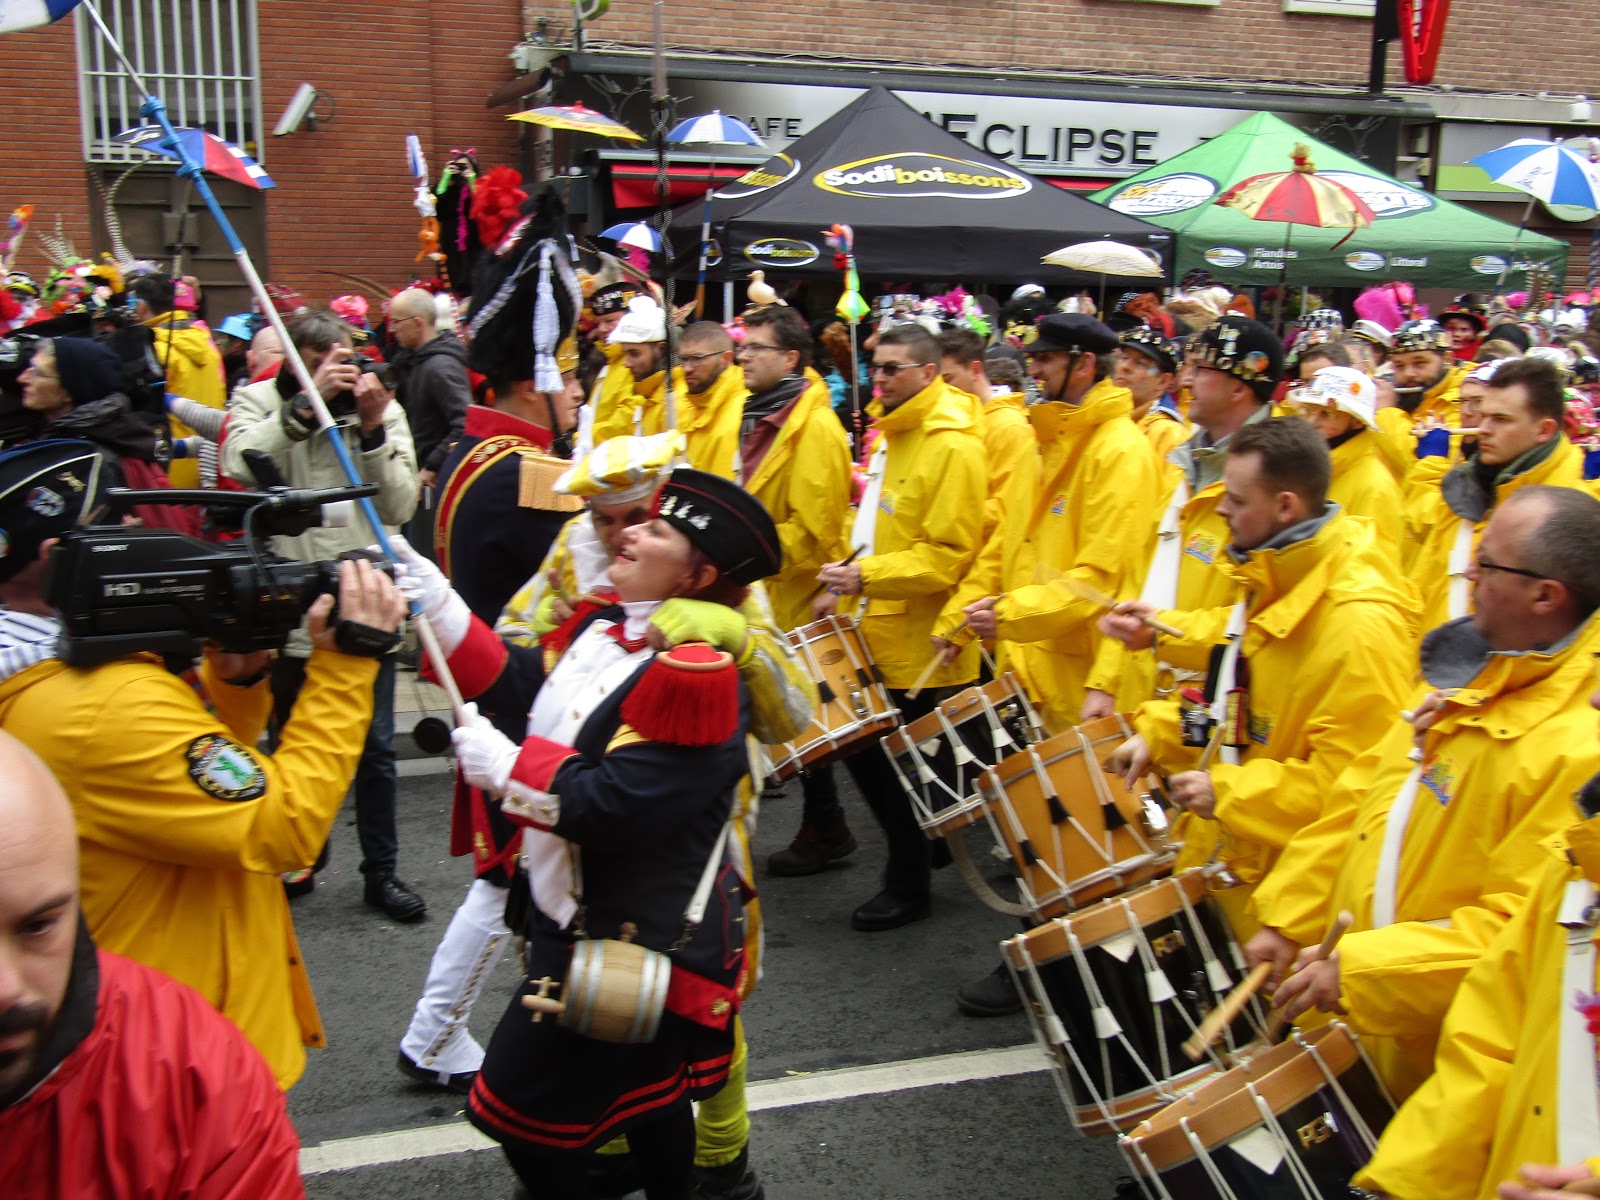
<point>1074,831</point>
<point>1113,992</point>
<point>1295,1122</point>
<point>965,736</point>
<point>855,704</point>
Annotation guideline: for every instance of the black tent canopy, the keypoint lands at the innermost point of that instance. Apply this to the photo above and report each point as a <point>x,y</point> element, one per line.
<point>923,203</point>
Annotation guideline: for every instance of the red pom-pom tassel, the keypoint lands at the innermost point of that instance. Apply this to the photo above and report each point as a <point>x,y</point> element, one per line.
<point>687,696</point>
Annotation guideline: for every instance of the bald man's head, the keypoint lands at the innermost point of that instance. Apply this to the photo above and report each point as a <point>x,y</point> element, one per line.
<point>38,911</point>
<point>266,350</point>
<point>413,317</point>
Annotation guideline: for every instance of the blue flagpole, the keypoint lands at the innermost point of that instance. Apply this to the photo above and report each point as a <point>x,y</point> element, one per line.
<point>154,109</point>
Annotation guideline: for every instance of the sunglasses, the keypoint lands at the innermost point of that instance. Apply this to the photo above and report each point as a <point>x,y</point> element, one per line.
<point>890,370</point>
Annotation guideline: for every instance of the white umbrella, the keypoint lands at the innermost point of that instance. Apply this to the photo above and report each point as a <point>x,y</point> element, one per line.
<point>713,129</point>
<point>1106,258</point>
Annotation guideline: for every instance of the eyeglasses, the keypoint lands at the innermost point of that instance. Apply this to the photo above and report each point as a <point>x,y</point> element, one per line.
<point>754,347</point>
<point>1483,564</point>
<point>700,358</point>
<point>890,370</point>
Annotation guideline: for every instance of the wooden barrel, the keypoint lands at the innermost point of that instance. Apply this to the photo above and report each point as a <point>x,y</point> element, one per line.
<point>616,991</point>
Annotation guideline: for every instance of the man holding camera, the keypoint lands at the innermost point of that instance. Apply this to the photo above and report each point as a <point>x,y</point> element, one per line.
<point>273,418</point>
<point>183,827</point>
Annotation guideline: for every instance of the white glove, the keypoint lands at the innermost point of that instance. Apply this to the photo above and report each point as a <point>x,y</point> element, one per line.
<point>484,755</point>
<point>423,584</point>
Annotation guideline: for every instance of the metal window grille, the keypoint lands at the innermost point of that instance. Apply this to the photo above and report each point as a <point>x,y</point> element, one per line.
<point>202,57</point>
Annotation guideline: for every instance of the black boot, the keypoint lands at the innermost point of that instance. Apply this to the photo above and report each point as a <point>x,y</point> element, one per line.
<point>731,1181</point>
<point>398,899</point>
<point>814,847</point>
<point>995,995</point>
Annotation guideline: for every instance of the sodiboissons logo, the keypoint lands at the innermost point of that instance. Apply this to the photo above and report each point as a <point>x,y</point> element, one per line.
<point>780,168</point>
<point>782,252</point>
<point>898,176</point>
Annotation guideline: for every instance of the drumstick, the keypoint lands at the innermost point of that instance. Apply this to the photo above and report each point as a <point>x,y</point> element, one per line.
<point>1220,1017</point>
<point>927,674</point>
<point>1583,1187</point>
<point>817,591</point>
<point>1087,591</point>
<point>1330,941</point>
<point>1212,746</point>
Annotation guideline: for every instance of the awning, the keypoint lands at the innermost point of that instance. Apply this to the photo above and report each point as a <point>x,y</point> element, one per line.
<point>633,185</point>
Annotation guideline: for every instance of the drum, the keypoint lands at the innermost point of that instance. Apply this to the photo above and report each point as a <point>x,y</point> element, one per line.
<point>1074,831</point>
<point>941,757</point>
<point>1113,992</point>
<point>1295,1122</point>
<point>855,704</point>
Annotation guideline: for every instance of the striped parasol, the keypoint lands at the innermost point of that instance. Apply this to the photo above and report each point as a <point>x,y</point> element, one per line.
<point>577,119</point>
<point>207,149</point>
<point>713,129</point>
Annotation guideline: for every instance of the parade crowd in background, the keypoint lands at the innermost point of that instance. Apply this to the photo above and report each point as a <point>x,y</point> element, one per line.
<point>1266,655</point>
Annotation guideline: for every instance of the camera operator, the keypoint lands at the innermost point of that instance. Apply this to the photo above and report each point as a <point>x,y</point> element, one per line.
<point>183,827</point>
<point>274,418</point>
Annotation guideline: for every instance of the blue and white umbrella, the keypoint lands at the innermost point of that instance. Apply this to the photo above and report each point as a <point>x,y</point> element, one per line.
<point>30,14</point>
<point>713,129</point>
<point>635,233</point>
<point>1546,171</point>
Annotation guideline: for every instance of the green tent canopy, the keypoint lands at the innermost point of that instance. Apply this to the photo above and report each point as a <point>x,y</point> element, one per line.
<point>1417,236</point>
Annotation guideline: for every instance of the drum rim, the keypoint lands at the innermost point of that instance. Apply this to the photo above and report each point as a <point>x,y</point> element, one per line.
<point>1224,1106</point>
<point>1107,919</point>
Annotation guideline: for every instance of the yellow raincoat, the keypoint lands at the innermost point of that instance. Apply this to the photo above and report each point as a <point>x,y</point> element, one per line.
<point>615,382</point>
<point>1364,487</point>
<point>1440,404</point>
<point>1009,445</point>
<point>1328,644</point>
<point>710,423</point>
<point>1492,1102</point>
<point>194,370</point>
<point>1088,518</point>
<point>1165,429</point>
<point>928,531</point>
<point>1501,766</point>
<point>640,409</point>
<point>1430,567</point>
<point>183,828</point>
<point>804,484</point>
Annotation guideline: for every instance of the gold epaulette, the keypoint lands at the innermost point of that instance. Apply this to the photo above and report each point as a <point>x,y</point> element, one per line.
<point>536,481</point>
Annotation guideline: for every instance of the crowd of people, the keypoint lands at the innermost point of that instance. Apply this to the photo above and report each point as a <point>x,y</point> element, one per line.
<point>1352,574</point>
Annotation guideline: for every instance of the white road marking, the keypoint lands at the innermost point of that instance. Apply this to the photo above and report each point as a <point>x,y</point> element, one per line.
<point>821,1087</point>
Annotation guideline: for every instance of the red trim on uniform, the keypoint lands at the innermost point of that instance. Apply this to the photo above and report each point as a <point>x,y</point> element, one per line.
<point>476,663</point>
<point>701,1000</point>
<point>539,761</point>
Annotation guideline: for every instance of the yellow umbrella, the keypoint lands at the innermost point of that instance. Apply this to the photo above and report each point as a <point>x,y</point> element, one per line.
<point>578,119</point>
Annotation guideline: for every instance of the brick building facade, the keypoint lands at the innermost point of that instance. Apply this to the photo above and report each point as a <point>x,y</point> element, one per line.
<point>342,203</point>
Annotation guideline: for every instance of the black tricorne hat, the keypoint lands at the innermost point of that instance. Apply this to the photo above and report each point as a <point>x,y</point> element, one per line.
<point>724,521</point>
<point>1075,333</point>
<point>46,488</point>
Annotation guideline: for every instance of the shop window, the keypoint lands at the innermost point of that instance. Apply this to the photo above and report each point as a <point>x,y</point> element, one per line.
<point>1332,8</point>
<point>200,56</point>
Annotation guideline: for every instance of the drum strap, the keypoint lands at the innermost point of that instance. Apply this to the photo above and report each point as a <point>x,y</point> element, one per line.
<point>1226,676</point>
<point>1387,880</point>
<point>1460,586</point>
<point>1161,581</point>
<point>1578,1132</point>
<point>865,533</point>
<point>695,913</point>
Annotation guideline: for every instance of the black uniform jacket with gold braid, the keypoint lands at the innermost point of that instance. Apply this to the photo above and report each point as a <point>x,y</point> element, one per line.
<point>645,814</point>
<point>497,513</point>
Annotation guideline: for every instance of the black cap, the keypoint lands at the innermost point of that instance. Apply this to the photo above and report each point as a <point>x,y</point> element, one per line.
<point>1153,344</point>
<point>723,520</point>
<point>46,488</point>
<point>613,298</point>
<point>1076,333</point>
<point>1238,346</point>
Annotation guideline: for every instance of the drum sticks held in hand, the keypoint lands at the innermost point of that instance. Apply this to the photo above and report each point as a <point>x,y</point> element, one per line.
<point>1087,591</point>
<point>843,562</point>
<point>1220,1017</point>
<point>1330,943</point>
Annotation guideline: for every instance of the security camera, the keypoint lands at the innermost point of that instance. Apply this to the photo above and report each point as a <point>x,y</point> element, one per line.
<point>1580,110</point>
<point>301,110</point>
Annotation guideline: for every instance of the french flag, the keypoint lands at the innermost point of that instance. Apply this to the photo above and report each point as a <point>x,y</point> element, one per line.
<point>30,14</point>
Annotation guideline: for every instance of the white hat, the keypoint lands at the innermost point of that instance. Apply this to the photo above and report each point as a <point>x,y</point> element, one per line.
<point>1343,388</point>
<point>1372,331</point>
<point>1485,371</point>
<point>645,321</point>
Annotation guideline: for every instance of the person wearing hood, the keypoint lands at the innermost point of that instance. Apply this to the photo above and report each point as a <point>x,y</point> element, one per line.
<point>916,534</point>
<point>431,384</point>
<point>1339,403</point>
<point>1513,1086</point>
<point>638,402</point>
<point>74,384</point>
<point>1431,836</point>
<point>1087,519</point>
<point>184,349</point>
<point>1315,662</point>
<point>1520,443</point>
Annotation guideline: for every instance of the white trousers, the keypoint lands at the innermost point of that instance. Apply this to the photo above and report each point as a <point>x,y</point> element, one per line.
<point>438,1039</point>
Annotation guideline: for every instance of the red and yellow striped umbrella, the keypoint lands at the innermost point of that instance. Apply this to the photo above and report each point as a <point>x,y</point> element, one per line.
<point>1298,197</point>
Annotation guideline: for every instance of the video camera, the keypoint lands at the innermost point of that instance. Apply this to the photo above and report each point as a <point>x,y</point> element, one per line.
<point>124,589</point>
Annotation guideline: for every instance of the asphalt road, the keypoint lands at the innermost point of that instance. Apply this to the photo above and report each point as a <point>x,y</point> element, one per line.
<point>968,1110</point>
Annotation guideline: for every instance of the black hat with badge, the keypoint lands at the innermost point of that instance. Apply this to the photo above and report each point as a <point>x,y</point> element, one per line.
<point>1074,333</point>
<point>1245,349</point>
<point>613,298</point>
<point>1161,350</point>
<point>46,488</point>
<point>724,521</point>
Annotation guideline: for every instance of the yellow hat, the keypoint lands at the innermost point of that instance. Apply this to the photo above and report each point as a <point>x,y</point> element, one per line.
<point>567,355</point>
<point>621,470</point>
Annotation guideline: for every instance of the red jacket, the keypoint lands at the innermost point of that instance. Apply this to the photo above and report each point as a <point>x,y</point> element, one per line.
<point>155,1094</point>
